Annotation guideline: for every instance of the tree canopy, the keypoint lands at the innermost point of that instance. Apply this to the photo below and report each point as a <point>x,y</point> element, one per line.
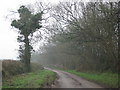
<point>84,36</point>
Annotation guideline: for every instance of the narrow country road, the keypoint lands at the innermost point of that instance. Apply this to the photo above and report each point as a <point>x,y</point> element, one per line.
<point>67,80</point>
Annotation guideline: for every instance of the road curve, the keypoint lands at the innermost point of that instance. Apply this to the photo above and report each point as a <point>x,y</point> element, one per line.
<point>68,80</point>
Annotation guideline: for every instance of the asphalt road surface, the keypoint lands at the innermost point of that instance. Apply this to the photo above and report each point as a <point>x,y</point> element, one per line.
<point>67,80</point>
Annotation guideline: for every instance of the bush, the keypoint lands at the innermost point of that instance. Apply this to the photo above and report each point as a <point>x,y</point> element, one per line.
<point>36,66</point>
<point>12,67</point>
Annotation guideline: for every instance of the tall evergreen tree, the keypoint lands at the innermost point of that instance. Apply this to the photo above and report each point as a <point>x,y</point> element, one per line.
<point>27,25</point>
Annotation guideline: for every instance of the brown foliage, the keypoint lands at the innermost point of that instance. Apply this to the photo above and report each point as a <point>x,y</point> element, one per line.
<point>12,67</point>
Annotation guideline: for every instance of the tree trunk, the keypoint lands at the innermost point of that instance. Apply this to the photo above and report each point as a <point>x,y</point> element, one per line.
<point>27,54</point>
<point>119,42</point>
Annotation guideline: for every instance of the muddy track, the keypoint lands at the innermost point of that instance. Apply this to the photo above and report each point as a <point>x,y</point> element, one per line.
<point>68,80</point>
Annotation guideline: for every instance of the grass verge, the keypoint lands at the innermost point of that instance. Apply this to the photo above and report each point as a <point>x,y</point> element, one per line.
<point>30,80</point>
<point>105,79</point>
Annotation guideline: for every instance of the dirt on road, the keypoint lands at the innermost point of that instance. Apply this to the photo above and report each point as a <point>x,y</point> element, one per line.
<point>68,80</point>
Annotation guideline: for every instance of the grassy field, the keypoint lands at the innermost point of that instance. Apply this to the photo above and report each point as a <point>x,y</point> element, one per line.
<point>30,80</point>
<point>105,79</point>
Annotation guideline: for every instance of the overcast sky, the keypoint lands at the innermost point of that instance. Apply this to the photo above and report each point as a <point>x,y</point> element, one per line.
<point>8,42</point>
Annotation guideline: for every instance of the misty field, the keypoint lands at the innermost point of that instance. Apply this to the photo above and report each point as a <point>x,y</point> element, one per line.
<point>74,37</point>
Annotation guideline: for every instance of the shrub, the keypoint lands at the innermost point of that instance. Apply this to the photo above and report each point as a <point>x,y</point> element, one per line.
<point>13,67</point>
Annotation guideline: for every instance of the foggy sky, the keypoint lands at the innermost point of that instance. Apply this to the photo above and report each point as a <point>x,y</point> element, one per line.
<point>8,36</point>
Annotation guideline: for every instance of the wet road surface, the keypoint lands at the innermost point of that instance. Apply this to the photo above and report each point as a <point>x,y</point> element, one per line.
<point>67,80</point>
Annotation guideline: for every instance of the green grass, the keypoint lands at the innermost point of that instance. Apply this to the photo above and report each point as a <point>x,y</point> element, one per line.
<point>106,79</point>
<point>30,80</point>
